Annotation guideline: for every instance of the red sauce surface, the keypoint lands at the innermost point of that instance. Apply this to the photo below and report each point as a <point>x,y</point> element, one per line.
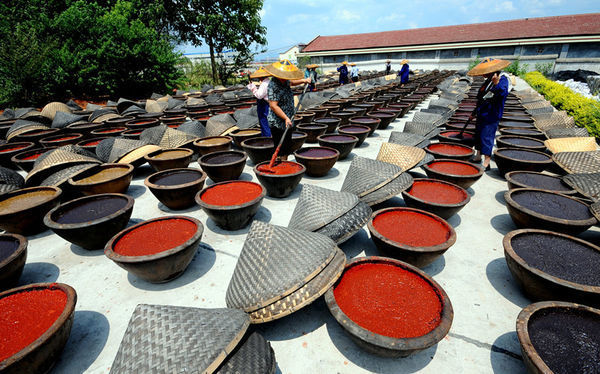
<point>454,134</point>
<point>155,237</point>
<point>62,139</point>
<point>33,156</point>
<point>13,148</point>
<point>26,316</point>
<point>95,142</point>
<point>411,228</point>
<point>438,193</point>
<point>234,193</point>
<point>388,300</point>
<point>110,130</point>
<point>281,168</point>
<point>449,149</point>
<point>455,168</point>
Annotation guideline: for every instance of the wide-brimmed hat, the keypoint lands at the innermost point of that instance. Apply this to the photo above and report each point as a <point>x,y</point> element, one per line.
<point>345,63</point>
<point>260,73</point>
<point>488,66</point>
<point>353,64</point>
<point>284,69</point>
<point>312,66</point>
<point>388,60</point>
<point>403,62</point>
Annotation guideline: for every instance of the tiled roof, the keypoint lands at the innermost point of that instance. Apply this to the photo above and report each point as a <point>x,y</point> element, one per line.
<point>581,24</point>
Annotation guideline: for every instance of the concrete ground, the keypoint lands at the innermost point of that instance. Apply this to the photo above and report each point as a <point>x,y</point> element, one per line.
<point>485,298</point>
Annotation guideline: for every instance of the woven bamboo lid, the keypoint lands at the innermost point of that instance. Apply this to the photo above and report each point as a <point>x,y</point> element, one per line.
<point>318,206</point>
<point>112,149</point>
<point>400,155</point>
<point>595,209</point>
<point>166,137</point>
<point>59,178</point>
<point>169,339</point>
<point>586,184</point>
<point>348,224</point>
<point>57,159</point>
<point>252,355</point>
<point>578,162</point>
<point>50,109</point>
<point>427,130</point>
<point>10,178</point>
<point>409,139</point>
<point>138,154</point>
<point>429,118</point>
<point>305,295</point>
<point>571,144</point>
<point>274,262</point>
<point>219,124</point>
<point>575,132</point>
<point>367,175</point>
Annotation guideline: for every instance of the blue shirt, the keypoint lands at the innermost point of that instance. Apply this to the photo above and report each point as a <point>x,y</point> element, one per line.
<point>354,71</point>
<point>343,70</point>
<point>490,109</point>
<point>403,73</point>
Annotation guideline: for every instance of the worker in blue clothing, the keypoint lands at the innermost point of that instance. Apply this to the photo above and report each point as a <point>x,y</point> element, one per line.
<point>343,70</point>
<point>262,105</point>
<point>404,71</point>
<point>490,106</point>
<point>311,72</point>
<point>353,72</point>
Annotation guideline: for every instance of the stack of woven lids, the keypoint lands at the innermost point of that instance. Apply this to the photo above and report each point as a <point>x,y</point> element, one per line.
<point>426,129</point>
<point>10,180</point>
<point>335,214</point>
<point>124,151</point>
<point>375,181</point>
<point>403,156</point>
<point>130,108</point>
<point>169,339</point>
<point>281,270</point>
<point>574,132</point>
<point>55,167</point>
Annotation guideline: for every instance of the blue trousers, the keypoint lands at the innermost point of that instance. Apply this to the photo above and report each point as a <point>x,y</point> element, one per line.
<point>262,107</point>
<point>485,134</point>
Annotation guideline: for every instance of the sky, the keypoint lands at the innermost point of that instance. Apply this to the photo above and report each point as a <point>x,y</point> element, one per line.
<point>290,22</point>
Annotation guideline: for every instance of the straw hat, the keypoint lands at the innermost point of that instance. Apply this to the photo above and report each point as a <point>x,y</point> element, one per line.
<point>388,60</point>
<point>284,69</point>
<point>260,73</point>
<point>488,66</point>
<point>352,64</point>
<point>403,62</point>
<point>312,66</point>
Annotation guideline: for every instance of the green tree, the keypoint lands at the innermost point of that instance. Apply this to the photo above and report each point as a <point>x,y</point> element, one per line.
<point>226,25</point>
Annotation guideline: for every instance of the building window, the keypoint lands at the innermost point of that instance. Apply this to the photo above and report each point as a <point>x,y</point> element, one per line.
<point>543,49</point>
<point>455,53</point>
<point>540,50</point>
<point>496,51</point>
<point>424,55</point>
<point>584,50</point>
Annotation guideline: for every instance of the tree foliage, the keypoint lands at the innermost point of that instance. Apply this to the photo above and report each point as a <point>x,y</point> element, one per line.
<point>55,49</point>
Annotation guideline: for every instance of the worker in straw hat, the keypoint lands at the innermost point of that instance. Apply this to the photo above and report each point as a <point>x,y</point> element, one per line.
<point>388,67</point>
<point>262,105</point>
<point>404,71</point>
<point>353,72</point>
<point>343,70</point>
<point>281,101</point>
<point>490,106</point>
<point>311,72</point>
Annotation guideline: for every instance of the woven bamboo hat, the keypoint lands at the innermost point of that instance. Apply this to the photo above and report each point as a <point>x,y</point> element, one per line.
<point>403,62</point>
<point>284,69</point>
<point>260,73</point>
<point>274,262</point>
<point>62,176</point>
<point>338,215</point>
<point>312,66</point>
<point>488,66</point>
<point>403,156</point>
<point>352,64</point>
<point>166,339</point>
<point>345,63</point>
